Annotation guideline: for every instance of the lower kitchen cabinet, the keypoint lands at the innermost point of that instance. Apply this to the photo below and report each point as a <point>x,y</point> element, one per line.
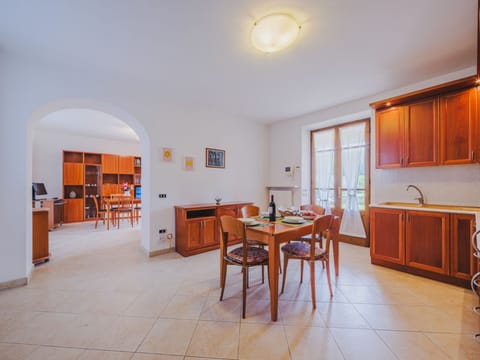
<point>426,241</point>
<point>387,235</point>
<point>463,263</point>
<point>433,244</point>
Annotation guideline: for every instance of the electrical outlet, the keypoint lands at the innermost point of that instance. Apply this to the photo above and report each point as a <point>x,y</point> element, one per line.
<point>162,196</point>
<point>162,231</point>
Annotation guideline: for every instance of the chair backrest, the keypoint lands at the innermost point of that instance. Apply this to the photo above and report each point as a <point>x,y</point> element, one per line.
<point>95,201</point>
<point>250,210</point>
<point>315,208</point>
<point>125,203</point>
<point>232,226</point>
<point>320,225</point>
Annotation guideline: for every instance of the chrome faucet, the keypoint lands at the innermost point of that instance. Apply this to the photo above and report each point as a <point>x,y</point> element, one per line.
<point>420,199</point>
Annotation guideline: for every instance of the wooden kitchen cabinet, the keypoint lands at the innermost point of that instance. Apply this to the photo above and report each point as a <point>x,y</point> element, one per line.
<point>434,244</point>
<point>458,121</point>
<point>389,130</point>
<point>387,235</point>
<point>421,133</point>
<point>72,174</point>
<point>197,226</point>
<point>462,261</point>
<point>426,241</point>
<point>407,135</point>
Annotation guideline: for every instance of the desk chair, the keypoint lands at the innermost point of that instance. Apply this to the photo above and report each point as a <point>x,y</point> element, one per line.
<point>124,210</point>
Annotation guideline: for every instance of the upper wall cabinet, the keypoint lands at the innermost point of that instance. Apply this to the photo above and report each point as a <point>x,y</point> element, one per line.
<point>435,126</point>
<point>407,135</point>
<point>458,119</point>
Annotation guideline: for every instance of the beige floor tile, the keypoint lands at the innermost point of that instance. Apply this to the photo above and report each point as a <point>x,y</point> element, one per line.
<point>299,313</point>
<point>341,315</point>
<point>418,318</point>
<point>361,344</point>
<point>412,345</point>
<point>456,346</point>
<point>149,304</point>
<point>215,339</point>
<point>105,355</point>
<point>262,341</point>
<point>15,351</point>
<point>226,310</point>
<point>138,356</point>
<point>54,353</point>
<point>169,336</point>
<point>102,296</point>
<point>312,343</point>
<point>184,307</point>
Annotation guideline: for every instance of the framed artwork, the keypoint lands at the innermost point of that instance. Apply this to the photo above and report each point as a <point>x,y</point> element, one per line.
<point>188,162</point>
<point>167,154</point>
<point>215,158</point>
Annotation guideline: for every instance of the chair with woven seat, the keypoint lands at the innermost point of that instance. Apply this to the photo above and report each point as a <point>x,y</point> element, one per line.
<point>124,210</point>
<point>317,210</point>
<point>245,256</point>
<point>301,250</point>
<point>100,211</point>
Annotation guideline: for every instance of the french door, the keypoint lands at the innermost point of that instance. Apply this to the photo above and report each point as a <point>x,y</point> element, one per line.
<point>340,182</point>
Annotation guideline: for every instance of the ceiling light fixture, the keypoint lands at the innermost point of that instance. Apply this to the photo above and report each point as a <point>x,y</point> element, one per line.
<point>274,32</point>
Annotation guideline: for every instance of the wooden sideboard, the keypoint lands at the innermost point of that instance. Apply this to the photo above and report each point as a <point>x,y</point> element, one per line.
<point>40,251</point>
<point>197,226</point>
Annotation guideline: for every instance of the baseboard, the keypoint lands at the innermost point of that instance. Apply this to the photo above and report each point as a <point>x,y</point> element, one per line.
<point>161,252</point>
<point>13,283</point>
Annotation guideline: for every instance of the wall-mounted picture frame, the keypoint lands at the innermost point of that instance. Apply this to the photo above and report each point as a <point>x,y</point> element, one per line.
<point>188,162</point>
<point>167,154</point>
<point>215,158</point>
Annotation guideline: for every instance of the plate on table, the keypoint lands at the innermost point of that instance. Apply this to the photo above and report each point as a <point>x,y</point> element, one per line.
<point>308,217</point>
<point>247,221</point>
<point>293,219</point>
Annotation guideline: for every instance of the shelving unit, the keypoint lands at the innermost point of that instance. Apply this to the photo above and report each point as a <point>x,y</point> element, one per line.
<point>88,175</point>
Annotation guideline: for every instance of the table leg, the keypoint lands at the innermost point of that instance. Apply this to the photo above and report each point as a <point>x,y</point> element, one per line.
<point>108,217</point>
<point>273,263</point>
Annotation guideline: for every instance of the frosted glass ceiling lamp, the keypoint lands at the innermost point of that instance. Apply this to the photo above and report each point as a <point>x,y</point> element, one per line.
<point>274,32</point>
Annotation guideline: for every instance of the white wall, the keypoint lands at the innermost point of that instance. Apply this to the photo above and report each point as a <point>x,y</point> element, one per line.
<point>289,144</point>
<point>29,88</point>
<point>48,146</point>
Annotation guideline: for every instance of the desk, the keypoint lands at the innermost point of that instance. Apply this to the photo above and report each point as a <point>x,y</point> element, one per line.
<point>274,235</point>
<point>109,202</point>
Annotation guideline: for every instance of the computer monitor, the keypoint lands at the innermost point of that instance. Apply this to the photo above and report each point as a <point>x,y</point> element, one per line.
<point>138,192</point>
<point>38,189</point>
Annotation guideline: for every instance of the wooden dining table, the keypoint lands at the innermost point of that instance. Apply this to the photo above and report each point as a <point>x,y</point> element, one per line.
<point>110,202</point>
<point>274,234</point>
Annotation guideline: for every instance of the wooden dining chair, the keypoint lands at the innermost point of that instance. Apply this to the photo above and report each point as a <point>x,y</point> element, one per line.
<point>124,210</point>
<point>245,256</point>
<point>100,212</point>
<point>317,210</point>
<point>301,250</point>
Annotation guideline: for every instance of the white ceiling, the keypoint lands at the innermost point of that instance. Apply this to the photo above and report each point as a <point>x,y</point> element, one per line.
<point>197,53</point>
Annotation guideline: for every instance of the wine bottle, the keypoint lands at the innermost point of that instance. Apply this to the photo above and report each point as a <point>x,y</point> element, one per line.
<point>271,210</point>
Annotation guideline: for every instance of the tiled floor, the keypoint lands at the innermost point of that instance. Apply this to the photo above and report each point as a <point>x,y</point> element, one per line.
<point>100,297</point>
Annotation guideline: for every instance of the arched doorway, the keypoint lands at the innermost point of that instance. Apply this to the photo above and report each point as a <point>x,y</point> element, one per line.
<point>108,112</point>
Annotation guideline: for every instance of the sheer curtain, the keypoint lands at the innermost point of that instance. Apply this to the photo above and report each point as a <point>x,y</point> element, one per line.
<point>324,143</point>
<point>352,139</point>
